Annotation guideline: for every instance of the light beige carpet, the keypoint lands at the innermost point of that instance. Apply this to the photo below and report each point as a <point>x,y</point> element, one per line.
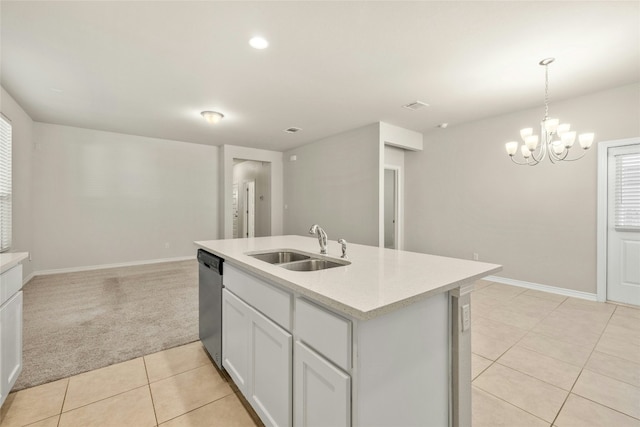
<point>76,322</point>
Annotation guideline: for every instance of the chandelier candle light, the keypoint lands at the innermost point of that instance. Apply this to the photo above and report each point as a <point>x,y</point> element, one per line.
<point>536,148</point>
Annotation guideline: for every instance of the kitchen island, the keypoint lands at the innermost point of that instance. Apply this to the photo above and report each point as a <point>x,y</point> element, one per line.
<point>382,341</point>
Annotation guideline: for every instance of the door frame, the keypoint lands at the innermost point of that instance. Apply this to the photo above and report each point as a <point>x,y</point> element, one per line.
<point>226,155</point>
<point>602,212</point>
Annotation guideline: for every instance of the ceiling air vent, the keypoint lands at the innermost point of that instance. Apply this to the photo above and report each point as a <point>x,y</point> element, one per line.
<point>415,105</point>
<point>292,130</point>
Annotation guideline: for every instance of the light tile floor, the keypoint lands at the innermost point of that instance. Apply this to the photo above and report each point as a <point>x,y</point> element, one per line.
<point>541,359</point>
<point>172,388</point>
<point>538,359</point>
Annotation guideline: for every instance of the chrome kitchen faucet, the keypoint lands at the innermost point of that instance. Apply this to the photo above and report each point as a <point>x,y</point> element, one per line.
<point>322,237</point>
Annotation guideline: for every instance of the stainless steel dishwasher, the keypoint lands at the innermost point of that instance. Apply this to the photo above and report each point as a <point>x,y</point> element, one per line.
<point>210,304</point>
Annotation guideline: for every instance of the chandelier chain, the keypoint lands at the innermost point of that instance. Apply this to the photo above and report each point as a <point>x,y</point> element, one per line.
<point>546,92</point>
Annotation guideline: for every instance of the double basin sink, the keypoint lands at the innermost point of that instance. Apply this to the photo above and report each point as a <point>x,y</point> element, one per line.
<point>297,261</point>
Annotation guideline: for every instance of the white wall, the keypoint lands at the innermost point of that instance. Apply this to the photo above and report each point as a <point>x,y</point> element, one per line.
<point>463,194</point>
<point>260,173</point>
<point>22,160</point>
<point>335,183</point>
<point>108,198</point>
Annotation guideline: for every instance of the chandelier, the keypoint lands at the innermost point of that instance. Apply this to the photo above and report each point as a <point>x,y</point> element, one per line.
<point>555,139</point>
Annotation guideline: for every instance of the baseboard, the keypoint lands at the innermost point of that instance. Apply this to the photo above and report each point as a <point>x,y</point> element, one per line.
<point>544,288</point>
<point>25,280</point>
<point>103,266</point>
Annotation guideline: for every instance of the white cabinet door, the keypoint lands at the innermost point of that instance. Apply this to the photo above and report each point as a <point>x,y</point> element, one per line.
<point>11,339</point>
<point>271,365</point>
<point>235,339</point>
<point>322,392</point>
<point>257,354</point>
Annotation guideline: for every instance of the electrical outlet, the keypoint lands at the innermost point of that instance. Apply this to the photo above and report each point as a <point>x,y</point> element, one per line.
<point>476,256</point>
<point>466,317</point>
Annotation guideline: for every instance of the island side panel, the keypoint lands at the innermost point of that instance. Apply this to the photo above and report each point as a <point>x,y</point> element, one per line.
<point>461,355</point>
<point>401,367</point>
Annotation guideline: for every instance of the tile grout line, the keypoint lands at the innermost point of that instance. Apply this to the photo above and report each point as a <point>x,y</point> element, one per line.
<point>153,405</point>
<point>104,398</point>
<point>582,370</point>
<point>511,404</point>
<point>176,374</point>
<point>199,407</point>
<point>66,390</point>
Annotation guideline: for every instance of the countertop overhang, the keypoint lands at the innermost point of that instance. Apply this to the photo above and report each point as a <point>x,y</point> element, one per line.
<point>377,281</point>
<point>11,259</point>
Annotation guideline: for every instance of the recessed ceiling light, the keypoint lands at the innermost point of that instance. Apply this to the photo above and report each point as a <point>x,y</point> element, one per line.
<point>212,117</point>
<point>292,130</point>
<point>443,125</point>
<point>55,89</point>
<point>259,43</point>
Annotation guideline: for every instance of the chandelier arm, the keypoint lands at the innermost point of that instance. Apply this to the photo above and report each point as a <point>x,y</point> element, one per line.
<point>577,158</point>
<point>517,162</point>
<point>540,152</point>
<point>555,157</point>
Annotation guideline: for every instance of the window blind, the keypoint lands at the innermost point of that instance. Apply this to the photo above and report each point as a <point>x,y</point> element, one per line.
<point>627,192</point>
<point>5,184</point>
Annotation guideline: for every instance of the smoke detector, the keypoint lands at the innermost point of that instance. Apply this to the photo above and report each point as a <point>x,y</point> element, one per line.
<point>292,130</point>
<point>415,105</point>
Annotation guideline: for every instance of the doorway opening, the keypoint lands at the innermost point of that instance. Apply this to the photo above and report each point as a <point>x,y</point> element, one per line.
<point>391,191</point>
<point>251,201</point>
<point>619,221</point>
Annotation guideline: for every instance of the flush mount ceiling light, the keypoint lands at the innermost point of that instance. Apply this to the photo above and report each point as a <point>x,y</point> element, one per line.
<point>212,117</point>
<point>558,149</point>
<point>258,43</point>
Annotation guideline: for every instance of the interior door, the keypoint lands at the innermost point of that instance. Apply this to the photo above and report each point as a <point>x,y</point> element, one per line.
<point>623,228</point>
<point>235,211</point>
<point>390,208</point>
<point>250,209</point>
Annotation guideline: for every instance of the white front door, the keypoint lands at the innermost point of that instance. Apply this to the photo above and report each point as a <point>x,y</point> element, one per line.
<point>623,228</point>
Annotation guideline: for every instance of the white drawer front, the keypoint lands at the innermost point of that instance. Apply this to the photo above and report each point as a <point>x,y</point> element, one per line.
<point>10,283</point>
<point>328,333</point>
<point>273,302</point>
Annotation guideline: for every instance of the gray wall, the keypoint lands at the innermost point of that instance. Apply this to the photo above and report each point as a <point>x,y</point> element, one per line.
<point>107,198</point>
<point>22,165</point>
<point>334,182</point>
<point>463,194</point>
<point>260,172</point>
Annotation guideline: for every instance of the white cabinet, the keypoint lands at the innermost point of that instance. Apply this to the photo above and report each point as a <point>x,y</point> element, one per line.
<point>270,384</point>
<point>257,354</point>
<point>10,329</point>
<point>322,392</point>
<point>235,339</point>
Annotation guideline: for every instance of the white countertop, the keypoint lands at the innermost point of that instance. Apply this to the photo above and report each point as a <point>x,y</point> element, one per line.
<point>377,281</point>
<point>11,259</point>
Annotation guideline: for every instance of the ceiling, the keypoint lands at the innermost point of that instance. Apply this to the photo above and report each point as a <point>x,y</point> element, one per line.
<point>148,68</point>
